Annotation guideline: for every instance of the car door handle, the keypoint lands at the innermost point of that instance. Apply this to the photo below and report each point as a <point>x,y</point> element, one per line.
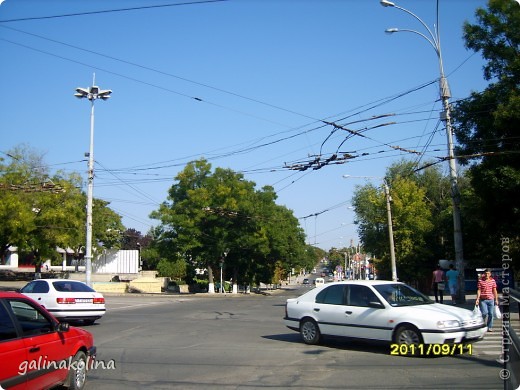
<point>348,312</point>
<point>316,309</point>
<point>34,349</point>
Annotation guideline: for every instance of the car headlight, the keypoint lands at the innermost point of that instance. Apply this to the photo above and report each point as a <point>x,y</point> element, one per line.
<point>448,324</point>
<point>475,320</point>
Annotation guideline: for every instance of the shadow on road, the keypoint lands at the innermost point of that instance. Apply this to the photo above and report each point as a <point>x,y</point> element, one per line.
<point>335,343</point>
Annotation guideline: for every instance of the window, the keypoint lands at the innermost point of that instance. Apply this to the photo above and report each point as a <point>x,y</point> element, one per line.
<point>361,296</point>
<point>40,287</point>
<point>333,295</point>
<point>28,289</point>
<point>70,286</point>
<point>32,321</point>
<point>7,328</point>
<point>402,295</point>
<point>36,287</point>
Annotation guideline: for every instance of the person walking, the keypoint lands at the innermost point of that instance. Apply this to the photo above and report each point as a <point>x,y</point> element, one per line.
<point>487,297</point>
<point>438,281</point>
<point>453,280</point>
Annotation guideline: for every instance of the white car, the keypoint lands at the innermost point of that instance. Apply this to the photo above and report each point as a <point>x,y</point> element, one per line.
<point>379,310</point>
<point>67,299</point>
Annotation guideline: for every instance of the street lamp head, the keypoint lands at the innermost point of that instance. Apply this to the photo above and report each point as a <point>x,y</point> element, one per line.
<point>93,93</point>
<point>104,93</point>
<point>81,93</point>
<point>96,93</point>
<point>362,177</point>
<point>386,3</point>
<point>391,30</point>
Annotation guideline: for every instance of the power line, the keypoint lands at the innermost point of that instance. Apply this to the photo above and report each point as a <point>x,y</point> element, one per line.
<point>110,11</point>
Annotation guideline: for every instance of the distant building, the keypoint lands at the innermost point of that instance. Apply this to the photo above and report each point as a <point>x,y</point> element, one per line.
<point>109,262</point>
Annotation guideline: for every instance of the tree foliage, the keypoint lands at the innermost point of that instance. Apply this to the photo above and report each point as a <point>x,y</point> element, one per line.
<point>41,212</point>
<point>418,208</point>
<point>487,126</point>
<point>218,217</point>
<point>176,270</point>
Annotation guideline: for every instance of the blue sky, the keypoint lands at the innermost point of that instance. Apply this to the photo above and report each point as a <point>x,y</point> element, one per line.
<point>243,83</point>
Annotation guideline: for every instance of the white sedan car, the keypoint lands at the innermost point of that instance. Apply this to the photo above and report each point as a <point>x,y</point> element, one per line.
<point>379,310</point>
<point>66,299</point>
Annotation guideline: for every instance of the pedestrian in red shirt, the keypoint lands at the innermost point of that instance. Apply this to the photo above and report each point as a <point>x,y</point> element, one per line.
<point>438,281</point>
<point>487,297</point>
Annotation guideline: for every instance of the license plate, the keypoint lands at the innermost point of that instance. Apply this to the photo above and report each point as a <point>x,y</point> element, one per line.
<point>83,300</point>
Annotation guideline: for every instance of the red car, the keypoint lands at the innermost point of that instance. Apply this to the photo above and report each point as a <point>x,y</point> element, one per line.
<point>37,351</point>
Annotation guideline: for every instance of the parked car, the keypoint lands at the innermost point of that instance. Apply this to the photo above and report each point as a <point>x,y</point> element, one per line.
<point>68,300</point>
<point>306,281</point>
<point>379,310</point>
<point>37,351</point>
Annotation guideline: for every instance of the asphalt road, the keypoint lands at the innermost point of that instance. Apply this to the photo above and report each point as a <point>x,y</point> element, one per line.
<point>232,342</point>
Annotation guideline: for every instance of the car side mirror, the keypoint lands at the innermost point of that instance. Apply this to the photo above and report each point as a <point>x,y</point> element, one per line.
<point>63,327</point>
<point>376,305</point>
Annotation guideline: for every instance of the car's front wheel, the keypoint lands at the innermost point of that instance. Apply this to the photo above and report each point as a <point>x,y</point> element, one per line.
<point>78,371</point>
<point>310,331</point>
<point>407,334</point>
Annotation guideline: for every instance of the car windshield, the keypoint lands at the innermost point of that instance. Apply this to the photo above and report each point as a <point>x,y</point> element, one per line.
<point>402,295</point>
<point>66,286</point>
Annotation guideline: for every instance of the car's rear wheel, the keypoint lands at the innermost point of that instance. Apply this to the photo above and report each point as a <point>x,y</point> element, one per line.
<point>407,334</point>
<point>78,371</point>
<point>310,331</point>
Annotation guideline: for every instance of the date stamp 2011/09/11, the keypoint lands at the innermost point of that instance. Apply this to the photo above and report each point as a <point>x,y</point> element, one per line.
<point>430,349</point>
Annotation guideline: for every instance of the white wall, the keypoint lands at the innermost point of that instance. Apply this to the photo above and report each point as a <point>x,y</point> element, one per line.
<point>117,262</point>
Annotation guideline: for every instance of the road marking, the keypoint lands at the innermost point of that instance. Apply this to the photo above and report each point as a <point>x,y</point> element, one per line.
<point>129,307</point>
<point>491,344</point>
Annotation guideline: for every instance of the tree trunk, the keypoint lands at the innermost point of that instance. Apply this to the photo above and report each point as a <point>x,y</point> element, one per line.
<point>235,280</point>
<point>211,283</point>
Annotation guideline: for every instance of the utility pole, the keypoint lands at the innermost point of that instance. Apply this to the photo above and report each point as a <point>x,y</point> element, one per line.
<point>434,39</point>
<point>390,232</point>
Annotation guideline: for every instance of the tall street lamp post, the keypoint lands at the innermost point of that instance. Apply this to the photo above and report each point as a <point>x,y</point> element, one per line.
<point>434,40</point>
<point>389,216</point>
<point>91,93</point>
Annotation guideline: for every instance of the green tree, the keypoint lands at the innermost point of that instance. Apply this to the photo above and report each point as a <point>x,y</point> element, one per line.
<point>411,220</point>
<point>438,198</point>
<point>487,126</point>
<point>17,179</point>
<point>107,228</point>
<point>41,212</point>
<point>176,270</point>
<point>218,217</point>
<point>336,257</point>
